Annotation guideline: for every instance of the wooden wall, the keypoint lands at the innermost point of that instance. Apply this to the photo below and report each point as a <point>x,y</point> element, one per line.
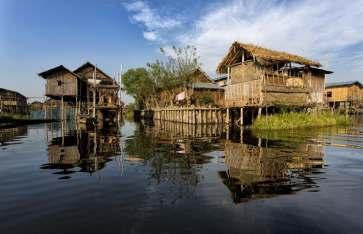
<point>61,84</point>
<point>243,72</point>
<point>216,95</point>
<point>345,94</point>
<point>317,85</point>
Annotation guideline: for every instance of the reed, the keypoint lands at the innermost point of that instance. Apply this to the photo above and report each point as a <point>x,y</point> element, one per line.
<point>293,120</point>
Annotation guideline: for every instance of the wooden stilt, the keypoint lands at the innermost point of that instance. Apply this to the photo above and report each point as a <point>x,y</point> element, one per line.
<point>62,110</point>
<point>259,112</point>
<point>241,119</point>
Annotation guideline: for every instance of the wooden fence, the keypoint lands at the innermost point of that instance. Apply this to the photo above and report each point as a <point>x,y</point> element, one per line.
<point>190,115</point>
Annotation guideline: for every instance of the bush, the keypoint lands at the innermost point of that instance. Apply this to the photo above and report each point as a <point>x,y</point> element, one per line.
<point>294,120</point>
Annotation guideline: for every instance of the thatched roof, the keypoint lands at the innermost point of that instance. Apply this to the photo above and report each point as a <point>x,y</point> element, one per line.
<point>235,51</point>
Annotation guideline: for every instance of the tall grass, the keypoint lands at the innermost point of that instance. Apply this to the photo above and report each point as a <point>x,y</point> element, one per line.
<point>293,120</point>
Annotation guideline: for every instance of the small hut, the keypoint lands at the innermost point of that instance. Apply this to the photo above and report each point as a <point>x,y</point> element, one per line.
<point>12,102</point>
<point>344,94</point>
<point>202,90</point>
<point>259,77</point>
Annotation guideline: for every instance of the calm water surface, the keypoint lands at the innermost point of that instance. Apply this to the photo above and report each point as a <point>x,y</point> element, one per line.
<point>173,178</point>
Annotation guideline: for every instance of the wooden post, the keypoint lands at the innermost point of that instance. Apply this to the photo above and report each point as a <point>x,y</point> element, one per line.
<point>62,109</point>
<point>259,112</point>
<point>241,117</point>
<point>227,117</point>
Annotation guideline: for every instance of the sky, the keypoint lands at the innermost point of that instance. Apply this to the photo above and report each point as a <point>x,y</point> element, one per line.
<point>40,34</point>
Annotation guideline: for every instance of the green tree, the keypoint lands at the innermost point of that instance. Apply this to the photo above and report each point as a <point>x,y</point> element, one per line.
<point>137,83</point>
<point>176,71</point>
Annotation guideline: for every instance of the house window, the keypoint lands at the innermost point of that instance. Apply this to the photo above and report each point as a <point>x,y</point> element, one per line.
<point>59,83</point>
<point>329,94</point>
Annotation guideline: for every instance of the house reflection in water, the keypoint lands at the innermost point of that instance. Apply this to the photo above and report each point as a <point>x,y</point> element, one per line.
<point>265,168</point>
<point>82,151</point>
<point>10,136</point>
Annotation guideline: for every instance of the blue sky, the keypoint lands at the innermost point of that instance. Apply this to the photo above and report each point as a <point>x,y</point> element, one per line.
<point>39,34</point>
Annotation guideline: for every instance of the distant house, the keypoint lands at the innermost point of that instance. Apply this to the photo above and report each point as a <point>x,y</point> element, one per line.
<point>12,102</point>
<point>344,94</point>
<point>202,91</point>
<point>263,77</point>
<point>82,87</point>
<point>221,80</point>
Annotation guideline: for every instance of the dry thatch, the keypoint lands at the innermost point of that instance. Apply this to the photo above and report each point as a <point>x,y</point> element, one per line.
<point>235,51</point>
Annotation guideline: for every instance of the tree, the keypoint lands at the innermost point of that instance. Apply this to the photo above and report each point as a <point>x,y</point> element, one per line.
<point>176,71</point>
<point>138,84</point>
<point>145,85</point>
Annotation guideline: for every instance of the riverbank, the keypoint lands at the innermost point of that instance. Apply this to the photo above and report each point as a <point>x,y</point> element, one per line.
<point>294,120</point>
<point>7,121</point>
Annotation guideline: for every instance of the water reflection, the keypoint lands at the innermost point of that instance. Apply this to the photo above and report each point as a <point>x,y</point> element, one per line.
<point>81,151</point>
<point>10,136</point>
<point>174,154</point>
<point>262,167</point>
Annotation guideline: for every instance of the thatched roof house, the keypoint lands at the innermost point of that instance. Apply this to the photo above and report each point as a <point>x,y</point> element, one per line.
<point>235,51</point>
<point>258,76</point>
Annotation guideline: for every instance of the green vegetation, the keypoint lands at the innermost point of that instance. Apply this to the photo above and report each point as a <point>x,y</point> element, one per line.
<point>12,117</point>
<point>293,120</point>
<point>205,99</point>
<point>145,84</point>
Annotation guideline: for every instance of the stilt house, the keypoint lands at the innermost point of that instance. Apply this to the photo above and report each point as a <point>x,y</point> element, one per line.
<point>260,77</point>
<point>344,94</point>
<point>88,88</point>
<point>12,102</point>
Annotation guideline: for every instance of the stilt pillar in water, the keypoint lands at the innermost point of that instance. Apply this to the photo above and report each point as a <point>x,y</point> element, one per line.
<point>241,119</point>
<point>62,110</point>
<point>259,112</point>
<point>227,116</point>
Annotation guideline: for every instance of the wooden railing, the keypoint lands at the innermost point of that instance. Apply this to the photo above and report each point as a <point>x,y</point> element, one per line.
<point>243,94</point>
<point>279,80</point>
<point>250,93</point>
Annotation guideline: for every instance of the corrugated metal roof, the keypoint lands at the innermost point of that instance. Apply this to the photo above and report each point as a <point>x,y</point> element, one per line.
<point>343,83</point>
<point>206,86</point>
<point>221,77</point>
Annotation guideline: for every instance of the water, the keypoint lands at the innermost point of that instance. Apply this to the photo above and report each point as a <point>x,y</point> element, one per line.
<point>172,178</point>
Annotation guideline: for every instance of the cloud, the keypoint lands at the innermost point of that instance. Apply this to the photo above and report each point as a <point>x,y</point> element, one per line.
<point>151,36</point>
<point>153,23</point>
<point>327,31</point>
<point>322,30</point>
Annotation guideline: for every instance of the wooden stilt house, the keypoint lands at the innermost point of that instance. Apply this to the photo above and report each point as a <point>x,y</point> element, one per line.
<point>260,77</point>
<point>344,94</point>
<point>92,92</point>
<point>12,102</point>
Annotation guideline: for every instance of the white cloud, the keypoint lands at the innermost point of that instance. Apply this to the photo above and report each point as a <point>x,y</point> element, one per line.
<point>151,36</point>
<point>320,30</point>
<point>150,19</point>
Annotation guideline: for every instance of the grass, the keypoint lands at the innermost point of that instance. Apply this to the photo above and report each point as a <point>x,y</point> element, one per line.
<point>294,120</point>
